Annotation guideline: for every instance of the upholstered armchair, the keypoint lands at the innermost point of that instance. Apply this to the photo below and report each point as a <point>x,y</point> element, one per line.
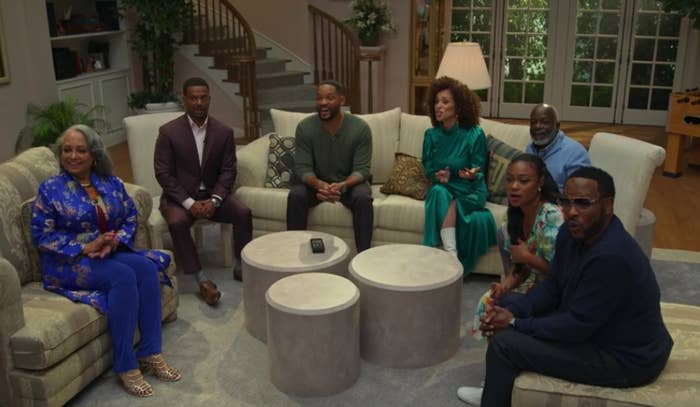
<point>141,134</point>
<point>50,347</point>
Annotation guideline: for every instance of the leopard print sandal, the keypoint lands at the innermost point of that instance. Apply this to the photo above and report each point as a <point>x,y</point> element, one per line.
<point>157,365</point>
<point>135,384</point>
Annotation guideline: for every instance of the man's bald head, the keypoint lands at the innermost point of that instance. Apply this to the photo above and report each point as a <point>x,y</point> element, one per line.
<point>544,124</point>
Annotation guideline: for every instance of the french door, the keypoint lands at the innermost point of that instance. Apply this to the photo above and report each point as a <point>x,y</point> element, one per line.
<point>596,60</point>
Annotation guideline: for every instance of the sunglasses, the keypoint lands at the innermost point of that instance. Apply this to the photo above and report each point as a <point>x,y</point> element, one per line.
<point>581,204</point>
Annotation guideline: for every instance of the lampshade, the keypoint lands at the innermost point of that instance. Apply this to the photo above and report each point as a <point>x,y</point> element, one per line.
<point>465,62</point>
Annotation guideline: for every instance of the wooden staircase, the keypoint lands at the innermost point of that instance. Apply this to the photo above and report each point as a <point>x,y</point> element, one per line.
<point>222,33</point>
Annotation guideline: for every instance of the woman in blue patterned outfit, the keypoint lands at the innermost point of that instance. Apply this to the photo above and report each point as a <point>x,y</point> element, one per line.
<point>83,223</point>
<point>454,155</point>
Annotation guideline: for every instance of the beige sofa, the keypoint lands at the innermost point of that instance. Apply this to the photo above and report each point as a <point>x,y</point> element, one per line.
<point>399,219</point>
<point>50,347</point>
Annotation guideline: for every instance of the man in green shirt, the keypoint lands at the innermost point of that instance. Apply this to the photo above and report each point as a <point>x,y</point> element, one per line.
<point>332,161</point>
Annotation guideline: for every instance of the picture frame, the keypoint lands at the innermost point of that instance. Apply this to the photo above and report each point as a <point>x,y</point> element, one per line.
<point>97,61</point>
<point>4,65</point>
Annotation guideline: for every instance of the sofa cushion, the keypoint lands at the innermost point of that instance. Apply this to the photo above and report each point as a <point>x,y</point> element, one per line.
<point>402,213</point>
<point>385,139</point>
<point>407,178</point>
<point>676,385</point>
<point>32,252</point>
<point>54,328</point>
<point>280,162</point>
<point>500,155</point>
<point>412,132</point>
<point>515,135</point>
<point>266,203</point>
<point>286,122</point>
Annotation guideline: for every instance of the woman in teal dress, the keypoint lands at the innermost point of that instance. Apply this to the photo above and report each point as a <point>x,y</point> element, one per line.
<point>454,154</point>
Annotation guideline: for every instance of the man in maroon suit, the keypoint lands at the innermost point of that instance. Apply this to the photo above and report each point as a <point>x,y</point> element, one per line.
<point>195,163</point>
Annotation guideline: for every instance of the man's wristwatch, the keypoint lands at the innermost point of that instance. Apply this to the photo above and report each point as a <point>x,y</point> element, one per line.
<point>215,201</point>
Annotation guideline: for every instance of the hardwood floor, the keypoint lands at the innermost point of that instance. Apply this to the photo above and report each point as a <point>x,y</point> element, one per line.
<point>672,200</point>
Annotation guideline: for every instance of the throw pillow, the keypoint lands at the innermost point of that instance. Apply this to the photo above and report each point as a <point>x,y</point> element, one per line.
<point>500,155</point>
<point>280,162</point>
<point>407,178</point>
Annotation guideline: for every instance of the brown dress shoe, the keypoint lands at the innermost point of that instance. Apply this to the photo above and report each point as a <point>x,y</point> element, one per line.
<point>209,292</point>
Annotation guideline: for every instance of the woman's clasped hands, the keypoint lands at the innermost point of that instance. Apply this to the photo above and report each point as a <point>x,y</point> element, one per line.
<point>102,246</point>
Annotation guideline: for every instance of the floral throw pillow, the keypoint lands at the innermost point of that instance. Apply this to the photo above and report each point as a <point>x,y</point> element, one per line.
<point>500,155</point>
<point>280,162</point>
<point>407,178</point>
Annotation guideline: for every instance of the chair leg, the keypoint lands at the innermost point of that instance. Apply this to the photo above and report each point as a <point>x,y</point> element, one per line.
<point>227,243</point>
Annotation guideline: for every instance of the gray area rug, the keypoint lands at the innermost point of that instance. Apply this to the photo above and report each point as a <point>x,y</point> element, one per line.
<point>223,365</point>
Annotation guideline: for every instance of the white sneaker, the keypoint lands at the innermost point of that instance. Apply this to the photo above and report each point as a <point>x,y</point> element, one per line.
<point>470,395</point>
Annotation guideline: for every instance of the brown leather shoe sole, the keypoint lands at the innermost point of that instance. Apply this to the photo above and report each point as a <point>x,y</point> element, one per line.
<point>209,292</point>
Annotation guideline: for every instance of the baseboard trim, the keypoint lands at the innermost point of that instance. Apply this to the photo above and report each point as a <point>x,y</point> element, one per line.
<point>686,256</point>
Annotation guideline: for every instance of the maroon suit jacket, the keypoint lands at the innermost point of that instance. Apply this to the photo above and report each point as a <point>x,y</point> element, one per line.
<point>177,165</point>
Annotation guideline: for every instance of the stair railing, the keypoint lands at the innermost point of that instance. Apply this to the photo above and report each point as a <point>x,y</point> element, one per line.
<point>336,53</point>
<point>222,32</point>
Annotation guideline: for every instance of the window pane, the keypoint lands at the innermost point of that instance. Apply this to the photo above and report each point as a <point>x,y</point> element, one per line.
<point>517,21</point>
<point>663,75</point>
<point>646,24</point>
<point>609,23</point>
<point>539,22</point>
<point>482,20</point>
<point>484,40</point>
<point>536,69</point>
<point>584,47</point>
<point>641,74</point>
<point>638,98</point>
<point>588,4</point>
<point>580,95</point>
<point>515,45</point>
<point>670,25</point>
<point>659,99</point>
<point>513,92</point>
<point>586,23</point>
<point>667,50</point>
<point>602,96</point>
<point>607,48</point>
<point>460,3</point>
<point>483,94</point>
<point>460,20</point>
<point>604,72</point>
<point>643,49</point>
<point>534,92</point>
<point>482,3</point>
<point>537,46</point>
<point>649,5</point>
<point>611,4</point>
<point>582,71</point>
<point>513,68</point>
<point>458,37</point>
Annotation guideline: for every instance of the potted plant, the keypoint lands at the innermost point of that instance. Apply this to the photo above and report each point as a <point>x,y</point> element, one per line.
<point>370,19</point>
<point>158,34</point>
<point>47,123</point>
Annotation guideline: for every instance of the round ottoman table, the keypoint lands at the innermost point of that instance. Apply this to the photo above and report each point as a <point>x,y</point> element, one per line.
<point>313,334</point>
<point>276,255</point>
<point>410,304</point>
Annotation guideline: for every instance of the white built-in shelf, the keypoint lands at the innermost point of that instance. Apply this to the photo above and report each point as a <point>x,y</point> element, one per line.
<point>89,75</point>
<point>87,35</point>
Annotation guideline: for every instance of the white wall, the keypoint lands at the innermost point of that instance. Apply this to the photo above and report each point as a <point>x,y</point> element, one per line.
<point>30,65</point>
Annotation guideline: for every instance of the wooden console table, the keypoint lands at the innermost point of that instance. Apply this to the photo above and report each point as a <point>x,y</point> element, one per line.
<point>683,121</point>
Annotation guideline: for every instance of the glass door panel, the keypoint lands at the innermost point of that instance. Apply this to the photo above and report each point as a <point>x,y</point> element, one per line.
<point>654,53</point>
<point>525,56</point>
<point>592,61</point>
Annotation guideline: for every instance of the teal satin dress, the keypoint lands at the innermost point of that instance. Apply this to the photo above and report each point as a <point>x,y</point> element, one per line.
<point>458,148</point>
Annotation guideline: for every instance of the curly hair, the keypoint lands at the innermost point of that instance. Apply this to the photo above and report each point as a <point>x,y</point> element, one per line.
<point>102,165</point>
<point>467,103</point>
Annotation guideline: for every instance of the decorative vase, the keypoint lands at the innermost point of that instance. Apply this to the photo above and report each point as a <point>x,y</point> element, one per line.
<point>369,38</point>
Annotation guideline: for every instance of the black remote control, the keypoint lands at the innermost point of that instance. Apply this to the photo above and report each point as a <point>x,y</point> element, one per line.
<point>317,245</point>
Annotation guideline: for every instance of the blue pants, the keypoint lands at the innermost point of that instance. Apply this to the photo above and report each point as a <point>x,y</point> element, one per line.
<point>133,296</point>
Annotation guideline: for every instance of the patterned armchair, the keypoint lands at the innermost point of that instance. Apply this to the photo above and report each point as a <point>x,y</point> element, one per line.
<point>50,347</point>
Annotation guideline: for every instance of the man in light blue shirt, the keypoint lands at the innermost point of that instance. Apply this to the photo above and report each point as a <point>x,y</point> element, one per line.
<point>560,153</point>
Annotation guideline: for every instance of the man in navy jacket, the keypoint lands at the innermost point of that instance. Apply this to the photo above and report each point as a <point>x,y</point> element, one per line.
<point>595,319</point>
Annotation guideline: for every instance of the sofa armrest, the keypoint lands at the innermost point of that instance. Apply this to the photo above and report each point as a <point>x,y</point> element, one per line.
<point>11,320</point>
<point>144,206</point>
<point>631,163</point>
<point>252,163</point>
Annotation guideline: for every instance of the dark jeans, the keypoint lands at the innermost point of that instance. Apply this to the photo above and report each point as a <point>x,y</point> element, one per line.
<point>511,352</point>
<point>358,199</point>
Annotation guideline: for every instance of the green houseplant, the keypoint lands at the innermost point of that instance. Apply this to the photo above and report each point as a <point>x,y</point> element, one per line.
<point>370,19</point>
<point>158,34</point>
<point>47,123</point>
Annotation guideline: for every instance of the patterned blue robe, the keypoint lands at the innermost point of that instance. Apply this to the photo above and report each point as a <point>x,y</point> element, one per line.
<point>64,218</point>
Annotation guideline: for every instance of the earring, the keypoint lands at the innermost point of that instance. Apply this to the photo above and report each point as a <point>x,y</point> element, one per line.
<point>539,189</point>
